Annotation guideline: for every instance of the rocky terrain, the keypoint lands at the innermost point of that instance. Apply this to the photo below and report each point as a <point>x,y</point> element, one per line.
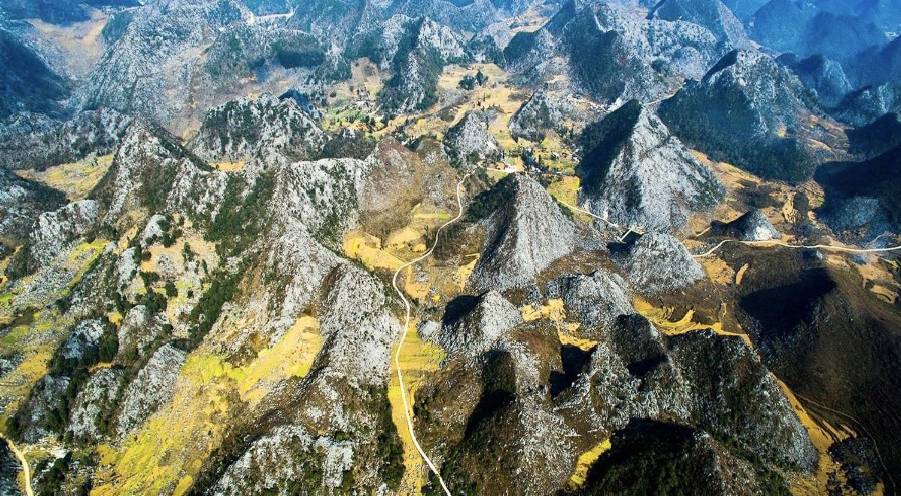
<point>410,247</point>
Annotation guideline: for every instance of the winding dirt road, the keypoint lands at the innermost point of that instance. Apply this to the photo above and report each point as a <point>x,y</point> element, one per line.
<point>26,469</point>
<point>403,337</point>
<point>627,230</point>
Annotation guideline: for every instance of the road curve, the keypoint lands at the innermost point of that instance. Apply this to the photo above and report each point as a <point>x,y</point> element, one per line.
<point>769,243</point>
<point>26,469</point>
<point>403,336</point>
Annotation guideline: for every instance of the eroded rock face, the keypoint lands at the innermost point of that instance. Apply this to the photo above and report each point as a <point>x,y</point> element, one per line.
<point>526,234</point>
<point>712,14</point>
<point>595,299</point>
<point>548,110</point>
<point>21,203</point>
<point>31,140</point>
<point>749,110</point>
<point>613,52</point>
<point>153,170</point>
<point>635,173</point>
<point>94,405</point>
<point>139,329</point>
<point>475,332</point>
<point>418,49</point>
<point>358,328</point>
<point>861,197</point>
<point>265,128</point>
<point>287,461</point>
<point>658,263</point>
<point>83,341</point>
<point>55,231</point>
<point>41,414</point>
<point>867,104</point>
<point>469,143</point>
<point>152,386</point>
<point>751,226</point>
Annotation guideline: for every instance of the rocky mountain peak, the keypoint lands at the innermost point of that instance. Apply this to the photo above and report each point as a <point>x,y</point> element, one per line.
<point>525,234</point>
<point>712,14</point>
<point>469,143</point>
<point>263,128</point>
<point>636,173</point>
<point>658,263</point>
<point>750,226</point>
<point>749,110</point>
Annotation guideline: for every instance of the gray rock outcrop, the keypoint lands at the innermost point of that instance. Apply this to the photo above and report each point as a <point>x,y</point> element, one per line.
<point>635,173</point>
<point>658,263</point>
<point>151,387</point>
<point>475,332</point>
<point>525,234</point>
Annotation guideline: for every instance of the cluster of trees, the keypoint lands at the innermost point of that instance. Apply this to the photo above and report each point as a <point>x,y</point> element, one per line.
<point>469,81</point>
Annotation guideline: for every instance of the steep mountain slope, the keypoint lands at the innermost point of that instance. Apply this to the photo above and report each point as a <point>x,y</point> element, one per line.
<point>258,128</point>
<point>28,83</point>
<point>712,14</point>
<point>591,42</point>
<point>748,110</point>
<point>400,267</point>
<point>525,234</point>
<point>636,174</point>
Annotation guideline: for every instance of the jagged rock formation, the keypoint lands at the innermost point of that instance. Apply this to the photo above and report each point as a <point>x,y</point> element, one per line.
<point>344,396</point>
<point>635,173</point>
<point>475,332</point>
<point>750,226</point>
<point>33,141</point>
<point>198,311</point>
<point>152,170</point>
<point>469,143</point>
<point>423,48</point>
<point>658,263</point>
<point>94,403</point>
<point>21,203</point>
<point>612,53</point>
<point>747,110</point>
<point>545,111</point>
<point>41,410</point>
<point>54,232</point>
<point>825,77</point>
<point>151,387</point>
<point>263,128</point>
<point>712,14</point>
<point>596,299</point>
<point>525,234</point>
